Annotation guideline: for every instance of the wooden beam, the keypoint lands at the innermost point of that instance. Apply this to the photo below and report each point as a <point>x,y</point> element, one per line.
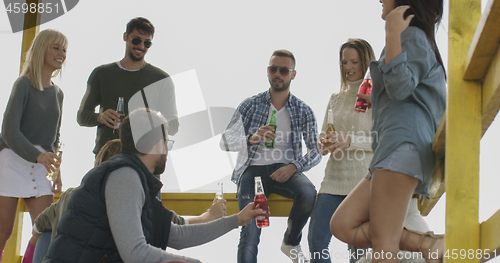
<point>490,240</point>
<point>193,204</point>
<point>463,134</point>
<point>485,42</point>
<point>491,92</point>
<point>437,189</point>
<point>12,252</point>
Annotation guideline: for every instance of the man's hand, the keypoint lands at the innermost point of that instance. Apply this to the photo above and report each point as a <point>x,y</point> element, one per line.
<point>284,173</point>
<point>263,133</point>
<point>246,215</point>
<point>334,143</point>
<point>109,118</point>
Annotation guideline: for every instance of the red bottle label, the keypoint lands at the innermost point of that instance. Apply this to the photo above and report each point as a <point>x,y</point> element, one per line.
<point>262,220</point>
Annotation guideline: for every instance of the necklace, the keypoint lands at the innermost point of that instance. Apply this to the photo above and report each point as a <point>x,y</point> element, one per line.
<point>136,82</point>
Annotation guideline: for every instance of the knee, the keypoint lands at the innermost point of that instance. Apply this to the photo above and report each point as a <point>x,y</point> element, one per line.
<point>250,234</point>
<point>338,227</point>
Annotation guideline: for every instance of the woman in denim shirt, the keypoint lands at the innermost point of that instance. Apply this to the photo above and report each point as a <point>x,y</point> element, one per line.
<point>408,99</point>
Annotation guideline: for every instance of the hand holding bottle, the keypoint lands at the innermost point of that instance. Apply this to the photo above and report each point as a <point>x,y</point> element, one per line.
<point>246,215</point>
<point>109,118</point>
<point>334,143</point>
<point>263,133</point>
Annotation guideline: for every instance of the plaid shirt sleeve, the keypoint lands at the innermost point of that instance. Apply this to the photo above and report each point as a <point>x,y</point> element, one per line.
<point>307,126</point>
<point>234,138</point>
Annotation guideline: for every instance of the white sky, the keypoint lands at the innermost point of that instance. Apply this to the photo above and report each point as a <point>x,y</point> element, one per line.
<point>228,44</point>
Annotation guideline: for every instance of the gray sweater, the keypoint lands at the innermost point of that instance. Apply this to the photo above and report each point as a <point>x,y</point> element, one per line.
<point>32,117</point>
<point>124,201</point>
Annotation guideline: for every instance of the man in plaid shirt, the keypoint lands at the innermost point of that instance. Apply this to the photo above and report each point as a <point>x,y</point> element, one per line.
<point>280,167</point>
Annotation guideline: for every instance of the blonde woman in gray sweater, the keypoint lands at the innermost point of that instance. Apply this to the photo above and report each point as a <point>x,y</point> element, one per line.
<point>30,133</point>
<point>349,149</point>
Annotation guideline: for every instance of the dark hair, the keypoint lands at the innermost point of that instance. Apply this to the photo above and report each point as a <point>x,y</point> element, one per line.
<point>365,52</point>
<point>141,24</point>
<point>427,15</point>
<point>107,151</point>
<point>284,53</point>
<point>141,130</point>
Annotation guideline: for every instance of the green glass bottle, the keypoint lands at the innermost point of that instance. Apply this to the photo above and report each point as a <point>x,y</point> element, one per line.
<point>272,123</point>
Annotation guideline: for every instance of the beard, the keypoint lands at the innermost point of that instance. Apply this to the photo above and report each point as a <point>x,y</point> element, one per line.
<point>285,86</point>
<point>134,57</point>
<point>161,164</point>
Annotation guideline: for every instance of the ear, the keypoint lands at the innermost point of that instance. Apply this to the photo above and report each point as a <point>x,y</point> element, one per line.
<point>294,73</point>
<point>125,36</point>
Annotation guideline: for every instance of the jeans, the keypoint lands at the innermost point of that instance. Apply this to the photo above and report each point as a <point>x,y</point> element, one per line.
<point>42,247</point>
<point>298,187</point>
<point>319,229</point>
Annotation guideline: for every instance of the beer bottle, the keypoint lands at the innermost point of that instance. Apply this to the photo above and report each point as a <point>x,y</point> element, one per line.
<point>120,109</point>
<point>260,201</point>
<point>330,129</point>
<point>52,176</point>
<point>272,123</point>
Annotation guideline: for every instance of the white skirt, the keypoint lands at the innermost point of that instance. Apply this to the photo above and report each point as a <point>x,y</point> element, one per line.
<point>20,178</point>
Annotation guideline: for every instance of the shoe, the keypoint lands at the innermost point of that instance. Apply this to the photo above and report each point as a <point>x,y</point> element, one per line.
<point>294,253</point>
<point>428,255</point>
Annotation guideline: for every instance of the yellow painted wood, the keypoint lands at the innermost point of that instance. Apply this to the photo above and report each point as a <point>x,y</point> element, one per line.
<point>491,92</point>
<point>197,203</point>
<point>31,29</point>
<point>490,237</point>
<point>463,133</point>
<point>13,247</point>
<point>485,42</point>
<point>437,189</point>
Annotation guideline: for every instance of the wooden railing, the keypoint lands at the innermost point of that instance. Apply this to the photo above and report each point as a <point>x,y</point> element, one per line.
<point>473,103</point>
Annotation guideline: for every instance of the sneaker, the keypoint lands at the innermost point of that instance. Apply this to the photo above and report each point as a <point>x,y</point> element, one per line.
<point>294,253</point>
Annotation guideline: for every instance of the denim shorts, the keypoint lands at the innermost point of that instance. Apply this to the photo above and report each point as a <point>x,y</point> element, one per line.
<point>405,159</point>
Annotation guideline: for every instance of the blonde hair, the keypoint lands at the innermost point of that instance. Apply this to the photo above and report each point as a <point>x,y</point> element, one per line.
<point>107,151</point>
<point>365,52</point>
<point>35,57</point>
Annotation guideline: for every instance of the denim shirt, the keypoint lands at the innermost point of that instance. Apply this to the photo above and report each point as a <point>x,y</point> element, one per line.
<point>252,114</point>
<point>408,100</point>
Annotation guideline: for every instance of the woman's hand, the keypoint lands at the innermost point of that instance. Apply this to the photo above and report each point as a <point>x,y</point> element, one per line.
<point>395,23</point>
<point>57,184</point>
<point>48,159</point>
<point>334,143</point>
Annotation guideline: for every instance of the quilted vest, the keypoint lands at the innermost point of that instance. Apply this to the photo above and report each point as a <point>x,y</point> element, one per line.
<point>84,235</point>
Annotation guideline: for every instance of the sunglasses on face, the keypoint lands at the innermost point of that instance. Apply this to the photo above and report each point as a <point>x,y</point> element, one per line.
<point>136,41</point>
<point>283,71</point>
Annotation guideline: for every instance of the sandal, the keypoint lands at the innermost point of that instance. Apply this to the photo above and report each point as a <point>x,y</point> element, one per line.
<point>364,234</point>
<point>429,255</point>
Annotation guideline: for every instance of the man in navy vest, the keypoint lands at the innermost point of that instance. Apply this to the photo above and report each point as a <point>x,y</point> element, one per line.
<point>114,215</point>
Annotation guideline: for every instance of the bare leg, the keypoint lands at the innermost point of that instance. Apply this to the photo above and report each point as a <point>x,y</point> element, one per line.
<point>390,195</point>
<point>8,208</point>
<point>37,205</point>
<point>374,212</point>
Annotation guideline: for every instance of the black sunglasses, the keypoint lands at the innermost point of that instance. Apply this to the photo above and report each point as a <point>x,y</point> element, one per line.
<point>136,41</point>
<point>283,71</point>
